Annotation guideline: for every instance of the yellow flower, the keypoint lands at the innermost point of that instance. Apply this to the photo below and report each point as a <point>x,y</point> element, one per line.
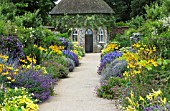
<point>35,45</point>
<point>154,49</point>
<point>137,46</point>
<point>34,60</point>
<point>9,78</point>
<point>4,57</point>
<point>130,108</point>
<point>157,92</point>
<point>147,50</point>
<point>149,97</point>
<point>5,73</point>
<point>125,74</point>
<point>164,101</point>
<point>16,70</point>
<point>24,61</point>
<point>29,59</point>
<point>141,48</point>
<point>13,80</point>
<point>28,66</point>
<point>141,98</point>
<point>144,45</point>
<point>10,68</point>
<point>41,48</point>
<point>137,72</point>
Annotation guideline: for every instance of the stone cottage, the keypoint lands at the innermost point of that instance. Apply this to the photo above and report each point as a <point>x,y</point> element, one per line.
<point>91,39</point>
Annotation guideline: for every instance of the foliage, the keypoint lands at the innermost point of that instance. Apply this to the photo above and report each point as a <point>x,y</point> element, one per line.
<point>123,40</point>
<point>155,12</point>
<point>7,10</point>
<point>153,101</point>
<point>121,23</point>
<point>8,70</point>
<point>71,64</point>
<point>71,55</point>
<point>125,9</point>
<point>17,100</point>
<point>64,23</point>
<point>79,51</point>
<point>63,35</point>
<point>37,83</point>
<point>110,47</point>
<point>66,43</point>
<point>108,58</point>
<point>57,49</point>
<point>27,11</point>
<point>110,89</point>
<point>142,75</point>
<point>11,46</point>
<point>57,70</point>
<point>115,69</point>
<point>44,7</point>
<point>32,54</point>
<point>137,22</point>
<point>28,19</point>
<point>129,32</point>
<point>35,67</point>
<point>44,37</point>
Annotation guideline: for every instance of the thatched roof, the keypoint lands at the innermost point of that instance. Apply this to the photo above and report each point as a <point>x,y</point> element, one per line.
<point>81,7</point>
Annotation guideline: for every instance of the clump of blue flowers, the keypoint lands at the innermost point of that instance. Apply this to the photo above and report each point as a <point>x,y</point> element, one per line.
<point>11,46</point>
<point>108,58</point>
<point>37,83</point>
<point>66,43</point>
<point>71,55</point>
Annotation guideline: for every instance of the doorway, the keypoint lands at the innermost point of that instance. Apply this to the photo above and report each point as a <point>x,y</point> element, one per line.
<point>89,41</point>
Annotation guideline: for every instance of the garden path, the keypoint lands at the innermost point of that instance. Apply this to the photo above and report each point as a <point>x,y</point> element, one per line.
<point>77,92</point>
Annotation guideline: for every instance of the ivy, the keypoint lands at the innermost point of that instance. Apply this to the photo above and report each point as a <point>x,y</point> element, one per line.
<point>92,20</point>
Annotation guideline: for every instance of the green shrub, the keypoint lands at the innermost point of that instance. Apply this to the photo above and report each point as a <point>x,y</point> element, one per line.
<point>111,89</point>
<point>56,67</point>
<point>124,41</point>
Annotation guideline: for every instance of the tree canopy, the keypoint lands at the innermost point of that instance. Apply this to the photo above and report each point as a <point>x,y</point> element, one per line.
<point>125,9</point>
<point>20,7</point>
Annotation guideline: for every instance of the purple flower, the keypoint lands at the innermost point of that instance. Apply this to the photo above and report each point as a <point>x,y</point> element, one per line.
<point>108,58</point>
<point>37,83</point>
<point>72,56</point>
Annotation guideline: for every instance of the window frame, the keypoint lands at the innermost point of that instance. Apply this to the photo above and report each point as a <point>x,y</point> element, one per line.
<point>101,36</point>
<point>75,35</point>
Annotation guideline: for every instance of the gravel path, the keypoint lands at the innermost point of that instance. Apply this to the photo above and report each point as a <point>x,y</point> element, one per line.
<point>77,93</point>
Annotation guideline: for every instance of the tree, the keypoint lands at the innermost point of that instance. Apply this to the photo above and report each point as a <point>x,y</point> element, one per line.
<point>44,7</point>
<point>125,9</point>
<point>137,6</point>
<point>121,8</point>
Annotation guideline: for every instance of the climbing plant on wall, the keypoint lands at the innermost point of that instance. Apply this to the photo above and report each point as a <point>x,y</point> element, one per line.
<point>64,23</point>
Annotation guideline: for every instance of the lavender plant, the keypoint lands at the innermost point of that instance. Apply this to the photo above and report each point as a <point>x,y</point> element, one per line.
<point>71,64</point>
<point>37,83</point>
<point>108,58</point>
<point>66,43</point>
<point>114,69</point>
<point>71,55</point>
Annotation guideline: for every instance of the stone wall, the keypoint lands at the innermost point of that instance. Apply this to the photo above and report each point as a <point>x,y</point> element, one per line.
<point>118,30</point>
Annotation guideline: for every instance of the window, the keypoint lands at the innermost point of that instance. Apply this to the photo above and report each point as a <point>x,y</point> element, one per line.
<point>101,36</point>
<point>75,36</point>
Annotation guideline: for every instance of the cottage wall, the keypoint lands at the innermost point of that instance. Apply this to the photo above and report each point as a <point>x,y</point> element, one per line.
<point>97,45</point>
